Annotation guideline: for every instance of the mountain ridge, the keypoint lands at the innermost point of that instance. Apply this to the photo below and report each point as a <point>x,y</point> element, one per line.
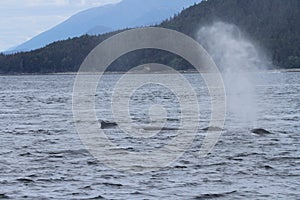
<point>111,17</point>
<point>273,24</point>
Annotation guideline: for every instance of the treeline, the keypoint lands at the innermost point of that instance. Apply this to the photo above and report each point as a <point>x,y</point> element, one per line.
<point>274,24</point>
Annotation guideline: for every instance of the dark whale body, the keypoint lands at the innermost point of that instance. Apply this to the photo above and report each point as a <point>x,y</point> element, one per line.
<point>260,131</point>
<point>107,125</point>
<point>159,128</point>
<point>212,128</point>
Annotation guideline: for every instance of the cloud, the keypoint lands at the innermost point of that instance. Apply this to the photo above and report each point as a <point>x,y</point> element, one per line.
<point>22,21</point>
<point>18,29</point>
<point>54,3</point>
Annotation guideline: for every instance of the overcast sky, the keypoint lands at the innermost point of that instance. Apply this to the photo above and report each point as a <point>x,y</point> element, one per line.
<point>21,20</point>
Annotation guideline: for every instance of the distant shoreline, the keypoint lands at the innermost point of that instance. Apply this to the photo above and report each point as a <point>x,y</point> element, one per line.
<point>120,73</point>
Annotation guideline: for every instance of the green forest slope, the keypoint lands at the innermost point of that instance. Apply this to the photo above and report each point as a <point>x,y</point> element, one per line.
<point>273,24</point>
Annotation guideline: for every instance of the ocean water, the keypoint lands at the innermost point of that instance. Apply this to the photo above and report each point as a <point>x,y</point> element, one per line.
<point>42,156</point>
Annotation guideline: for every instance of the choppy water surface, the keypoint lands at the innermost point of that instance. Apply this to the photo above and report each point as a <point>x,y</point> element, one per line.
<point>42,157</point>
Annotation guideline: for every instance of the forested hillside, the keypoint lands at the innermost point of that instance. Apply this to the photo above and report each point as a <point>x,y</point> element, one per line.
<point>273,24</point>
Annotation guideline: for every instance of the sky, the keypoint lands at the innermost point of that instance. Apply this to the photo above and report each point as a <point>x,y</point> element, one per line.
<point>20,20</point>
